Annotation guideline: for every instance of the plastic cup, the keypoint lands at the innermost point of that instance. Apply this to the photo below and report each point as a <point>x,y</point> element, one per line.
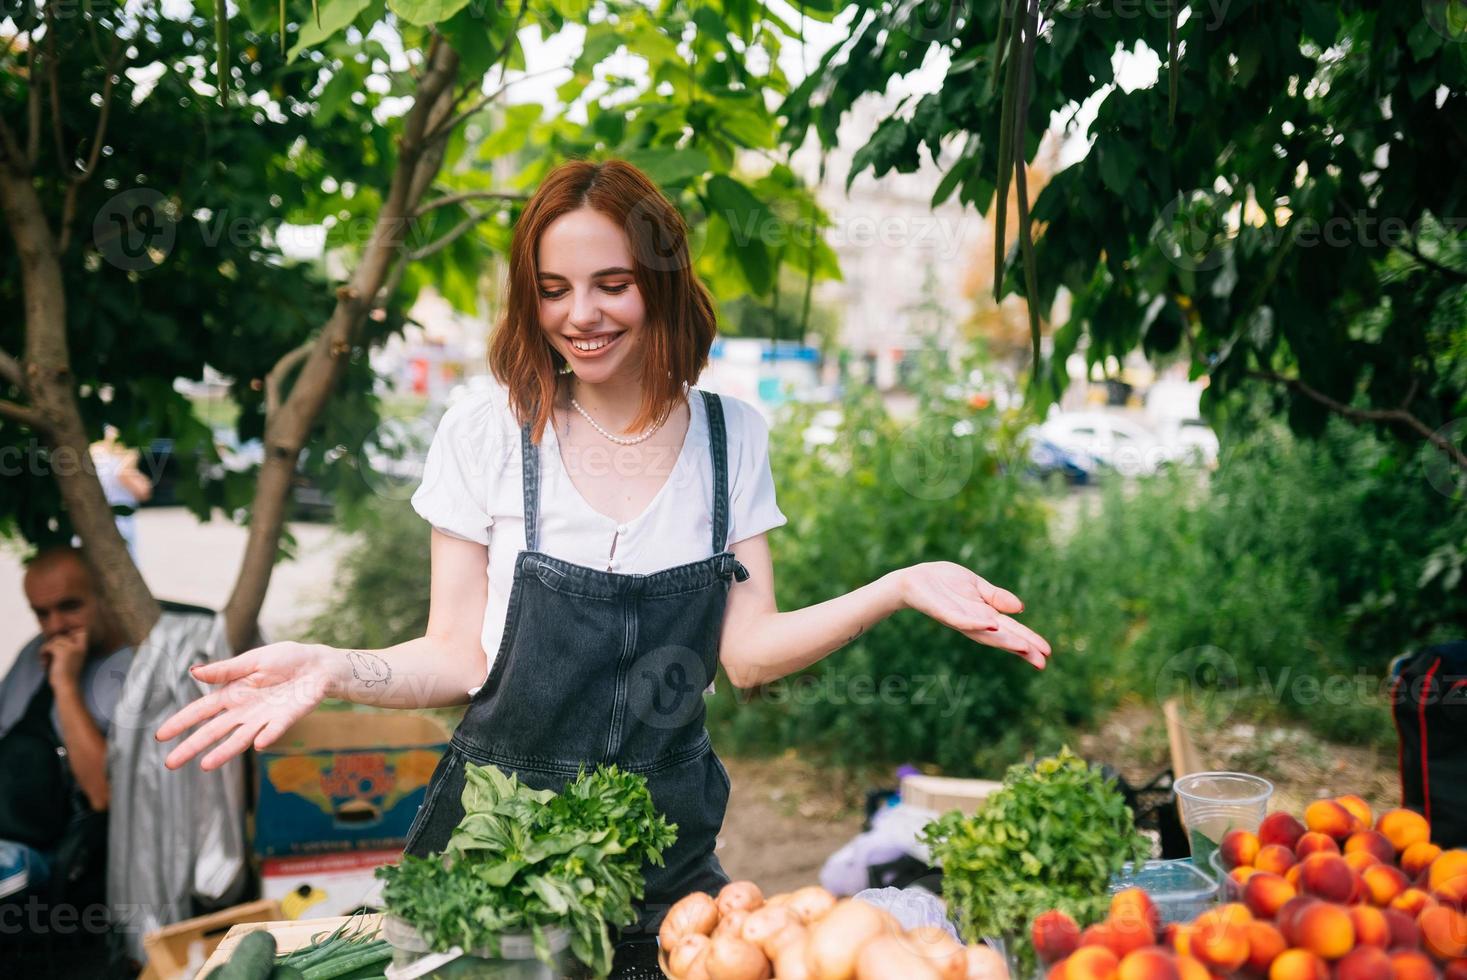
<point>1214,803</point>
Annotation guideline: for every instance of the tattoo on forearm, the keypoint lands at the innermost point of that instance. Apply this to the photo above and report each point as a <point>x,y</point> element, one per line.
<point>369,668</point>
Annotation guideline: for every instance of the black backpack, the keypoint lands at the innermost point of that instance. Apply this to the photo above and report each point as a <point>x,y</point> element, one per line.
<point>1429,700</point>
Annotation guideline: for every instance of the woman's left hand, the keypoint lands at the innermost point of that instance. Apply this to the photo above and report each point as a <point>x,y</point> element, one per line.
<point>956,597</point>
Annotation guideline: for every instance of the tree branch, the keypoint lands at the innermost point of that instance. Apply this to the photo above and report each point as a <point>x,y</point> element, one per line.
<point>1414,250</point>
<point>12,146</point>
<point>99,136</point>
<point>276,378</point>
<point>10,369</point>
<point>55,78</point>
<point>33,108</point>
<point>24,415</point>
<point>454,234</point>
<point>1399,415</point>
<point>448,127</point>
<point>449,200</point>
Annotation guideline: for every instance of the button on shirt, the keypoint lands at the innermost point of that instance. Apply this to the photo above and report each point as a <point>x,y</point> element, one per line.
<point>471,489</point>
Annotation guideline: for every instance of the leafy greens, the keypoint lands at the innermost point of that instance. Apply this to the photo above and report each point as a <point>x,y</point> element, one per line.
<point>523,861</point>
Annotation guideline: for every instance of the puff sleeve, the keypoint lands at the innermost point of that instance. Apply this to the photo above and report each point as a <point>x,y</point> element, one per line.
<point>752,506</point>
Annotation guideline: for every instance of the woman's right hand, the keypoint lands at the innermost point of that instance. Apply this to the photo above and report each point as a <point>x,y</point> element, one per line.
<point>261,693</point>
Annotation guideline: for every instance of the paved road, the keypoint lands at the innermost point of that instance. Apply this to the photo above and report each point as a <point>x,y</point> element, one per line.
<point>192,562</point>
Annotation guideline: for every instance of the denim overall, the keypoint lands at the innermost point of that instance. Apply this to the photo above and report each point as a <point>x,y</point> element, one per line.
<point>602,667</point>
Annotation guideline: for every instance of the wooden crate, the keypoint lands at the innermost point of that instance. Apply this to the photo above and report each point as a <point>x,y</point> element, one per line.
<point>168,948</point>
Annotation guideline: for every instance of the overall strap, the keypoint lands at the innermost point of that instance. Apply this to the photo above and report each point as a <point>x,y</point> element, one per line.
<point>530,467</point>
<point>718,446</point>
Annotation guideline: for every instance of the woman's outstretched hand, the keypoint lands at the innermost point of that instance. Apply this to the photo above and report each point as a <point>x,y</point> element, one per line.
<point>259,695</point>
<point>956,597</point>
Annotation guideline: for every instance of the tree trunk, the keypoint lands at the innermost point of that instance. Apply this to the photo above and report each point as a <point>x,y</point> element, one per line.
<point>289,424</point>
<point>50,389</point>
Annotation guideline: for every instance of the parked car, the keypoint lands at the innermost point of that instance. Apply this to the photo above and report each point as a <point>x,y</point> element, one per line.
<point>1125,445</point>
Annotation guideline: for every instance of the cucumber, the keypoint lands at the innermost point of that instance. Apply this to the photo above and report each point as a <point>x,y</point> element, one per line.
<point>252,959</point>
<point>283,972</point>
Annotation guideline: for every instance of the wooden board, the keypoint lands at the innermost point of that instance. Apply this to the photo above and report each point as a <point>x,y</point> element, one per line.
<point>168,949</point>
<point>289,934</point>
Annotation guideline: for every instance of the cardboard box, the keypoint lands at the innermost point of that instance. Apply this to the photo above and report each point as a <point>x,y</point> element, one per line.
<point>172,949</point>
<point>325,884</point>
<point>344,781</point>
<point>941,793</point>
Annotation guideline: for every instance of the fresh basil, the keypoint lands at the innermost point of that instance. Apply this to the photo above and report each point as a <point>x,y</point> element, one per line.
<point>525,861</point>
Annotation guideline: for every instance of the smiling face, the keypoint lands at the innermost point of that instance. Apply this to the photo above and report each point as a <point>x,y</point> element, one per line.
<point>590,307</point>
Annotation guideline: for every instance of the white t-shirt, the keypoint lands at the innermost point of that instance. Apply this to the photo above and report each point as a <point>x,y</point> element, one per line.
<point>472,489</point>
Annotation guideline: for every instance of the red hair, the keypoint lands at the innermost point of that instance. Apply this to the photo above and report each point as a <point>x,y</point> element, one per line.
<point>680,322</point>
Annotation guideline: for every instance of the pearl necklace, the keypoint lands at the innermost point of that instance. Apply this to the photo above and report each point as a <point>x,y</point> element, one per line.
<point>619,440</point>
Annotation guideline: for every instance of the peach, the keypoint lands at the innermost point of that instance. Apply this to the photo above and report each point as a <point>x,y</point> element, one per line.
<point>1452,891</point>
<point>1221,937</point>
<point>1148,963</point>
<point>1412,901</point>
<point>1133,909</point>
<point>1292,876</point>
<point>1359,809</point>
<point>1405,933</point>
<point>1360,860</point>
<point>1280,828</point>
<point>1418,857</point>
<point>1371,842</point>
<point>1364,963</point>
<point>1288,918</point>
<point>1056,972</point>
<point>1371,927</point>
<point>1239,847</point>
<point>1178,935</point>
<point>1328,817</point>
<point>1410,964</point>
<point>1314,842</point>
<point>1105,934</point>
<point>1091,963</point>
<point>1443,932</point>
<point>1239,877</point>
<point>1266,893</point>
<point>1455,970</point>
<point>1403,828</point>
<point>1264,944</point>
<point>1326,930</point>
<point>1191,968</point>
<point>1383,882</point>
<point>1327,876</point>
<point>1055,935</point>
<point>1275,858</point>
<point>1298,964</point>
<point>1449,866</point>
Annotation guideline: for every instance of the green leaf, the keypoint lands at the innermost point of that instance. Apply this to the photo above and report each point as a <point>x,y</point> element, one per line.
<point>670,166</point>
<point>335,16</point>
<point>425,12</point>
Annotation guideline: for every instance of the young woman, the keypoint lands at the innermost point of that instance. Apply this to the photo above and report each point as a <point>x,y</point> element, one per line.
<point>599,536</point>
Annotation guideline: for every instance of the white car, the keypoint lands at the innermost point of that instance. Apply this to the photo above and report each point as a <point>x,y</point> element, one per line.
<point>1125,445</point>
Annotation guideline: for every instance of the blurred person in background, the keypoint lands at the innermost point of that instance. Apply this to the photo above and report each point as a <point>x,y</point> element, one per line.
<point>56,706</point>
<point>123,483</point>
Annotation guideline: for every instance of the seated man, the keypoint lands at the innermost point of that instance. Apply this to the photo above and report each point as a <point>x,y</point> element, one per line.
<point>56,705</point>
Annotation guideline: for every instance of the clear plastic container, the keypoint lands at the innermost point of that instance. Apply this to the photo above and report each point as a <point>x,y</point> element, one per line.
<point>1213,803</point>
<point>1228,888</point>
<point>1180,889</point>
<point>413,959</point>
